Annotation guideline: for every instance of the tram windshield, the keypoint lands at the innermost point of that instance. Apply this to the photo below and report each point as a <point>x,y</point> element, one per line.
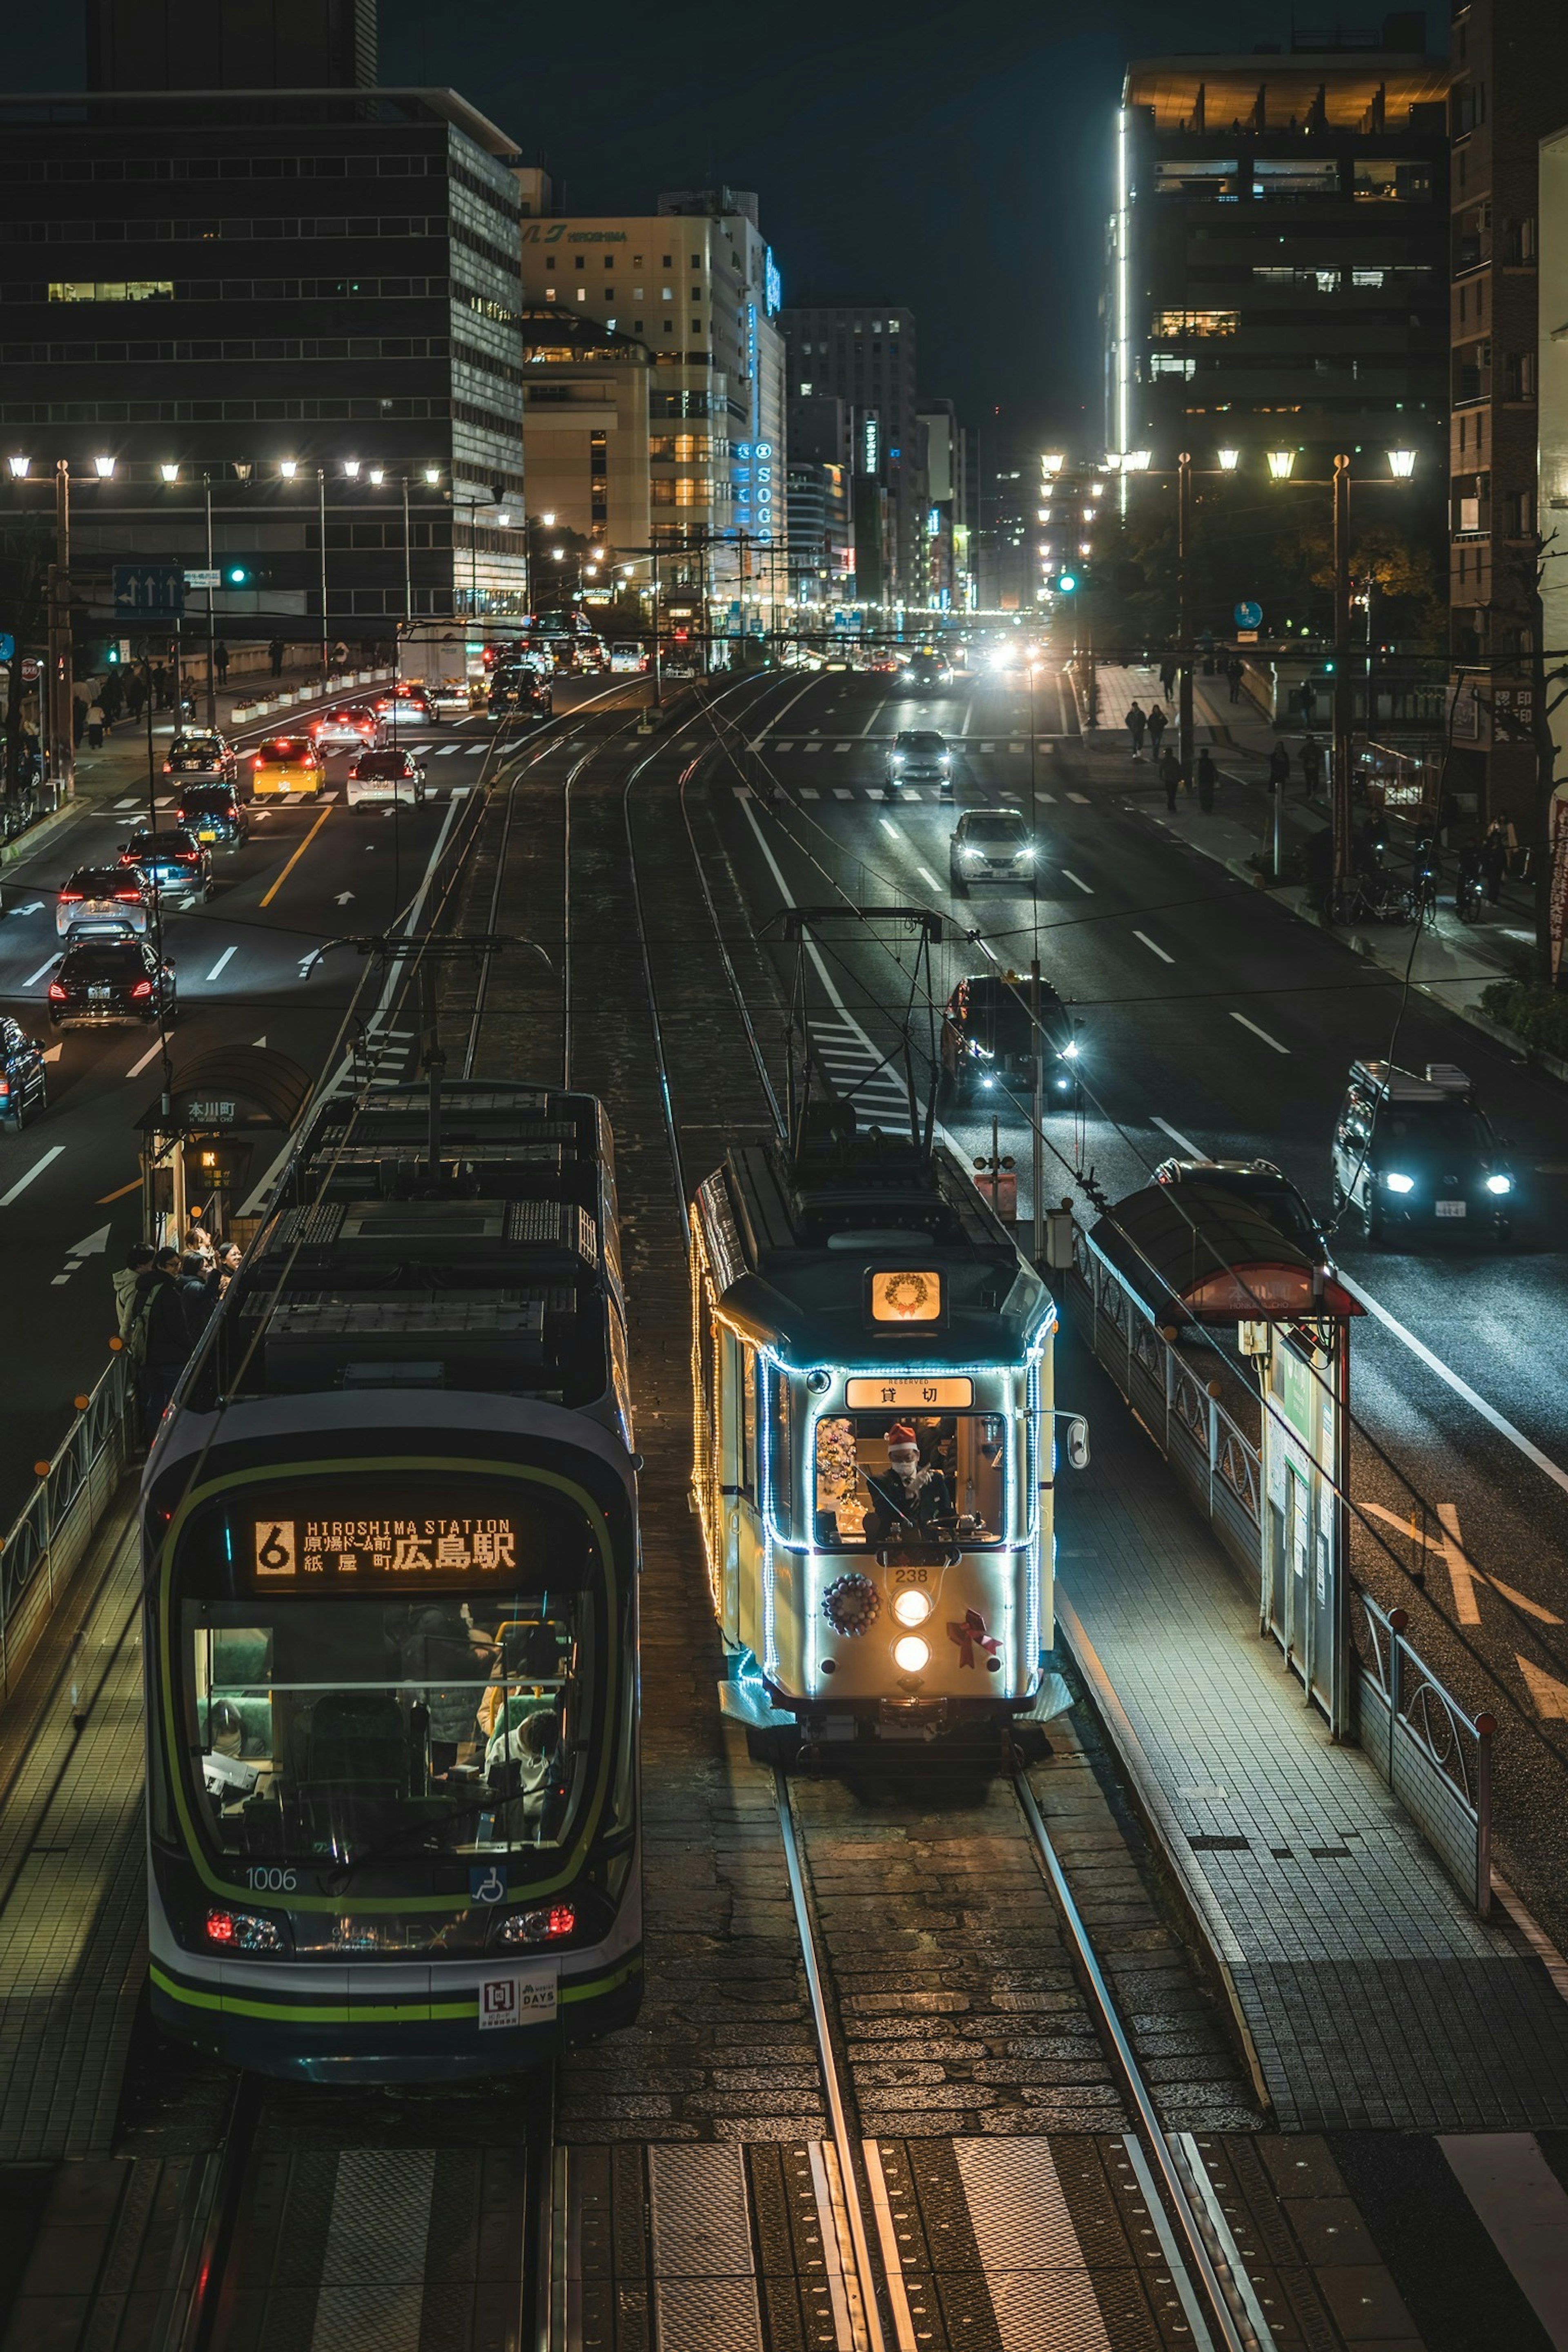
<point>889,1478</point>
<point>413,1702</point>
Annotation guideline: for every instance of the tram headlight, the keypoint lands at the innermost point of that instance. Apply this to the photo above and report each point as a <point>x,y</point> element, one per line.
<point>1399,1183</point>
<point>244,1931</point>
<point>544,1926</point>
<point>912,1607</point>
<point>910,1654</point>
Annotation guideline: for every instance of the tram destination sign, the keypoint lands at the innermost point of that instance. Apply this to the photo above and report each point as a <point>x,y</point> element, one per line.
<point>934,1395</point>
<point>381,1555</point>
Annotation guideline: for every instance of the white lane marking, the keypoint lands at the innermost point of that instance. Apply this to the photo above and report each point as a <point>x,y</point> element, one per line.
<point>445,750</point>
<point>150,1055</point>
<point>1177,1138</point>
<point>809,792</point>
<point>1524,2210</point>
<point>814,746</point>
<point>889,826</point>
<point>134,802</point>
<point>843,747</point>
<point>928,877</point>
<point>877,709</point>
<point>842,792</point>
<point>1160,951</point>
<point>1461,1387</point>
<point>1082,798</point>
<point>222,961</point>
<point>36,1169</point>
<point>34,977</point>
<point>1257,1031</point>
<point>1087,887</point>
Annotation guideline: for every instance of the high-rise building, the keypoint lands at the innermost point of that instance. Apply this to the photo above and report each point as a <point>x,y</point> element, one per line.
<point>303,303</point>
<point>864,355</point>
<point>586,434</point>
<point>212,44</point>
<point>949,462</point>
<point>696,283</point>
<point>1553,389</point>
<point>821,500</point>
<point>1279,252</point>
<point>1510,77</point>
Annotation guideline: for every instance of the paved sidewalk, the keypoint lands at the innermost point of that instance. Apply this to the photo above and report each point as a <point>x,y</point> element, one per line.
<point>1372,1995</point>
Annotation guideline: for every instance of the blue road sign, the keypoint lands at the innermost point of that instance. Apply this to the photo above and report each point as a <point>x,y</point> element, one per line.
<point>1248,616</point>
<point>8,645</point>
<point>149,592</point>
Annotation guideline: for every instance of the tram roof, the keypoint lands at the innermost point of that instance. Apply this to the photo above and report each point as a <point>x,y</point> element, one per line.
<point>793,1241</point>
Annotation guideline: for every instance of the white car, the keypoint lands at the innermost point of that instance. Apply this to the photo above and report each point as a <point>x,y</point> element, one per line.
<point>349,728</point>
<point>624,658</point>
<point>384,777</point>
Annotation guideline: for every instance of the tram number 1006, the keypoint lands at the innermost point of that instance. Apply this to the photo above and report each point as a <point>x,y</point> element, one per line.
<point>263,1879</point>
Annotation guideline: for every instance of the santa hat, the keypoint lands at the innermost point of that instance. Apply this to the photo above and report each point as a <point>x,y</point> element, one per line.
<point>901,1433</point>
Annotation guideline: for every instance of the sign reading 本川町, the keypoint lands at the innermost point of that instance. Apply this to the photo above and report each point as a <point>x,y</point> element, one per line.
<point>365,1553</point>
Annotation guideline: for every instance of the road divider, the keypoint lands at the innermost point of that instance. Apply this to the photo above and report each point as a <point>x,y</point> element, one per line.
<point>310,837</point>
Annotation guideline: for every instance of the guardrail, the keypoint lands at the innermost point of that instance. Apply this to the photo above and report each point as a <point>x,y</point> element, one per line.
<point>53,1528</point>
<point>1435,1759</point>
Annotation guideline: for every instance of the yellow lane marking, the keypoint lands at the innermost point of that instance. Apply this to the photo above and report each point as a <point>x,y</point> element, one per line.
<point>296,857</point>
<point>104,1198</point>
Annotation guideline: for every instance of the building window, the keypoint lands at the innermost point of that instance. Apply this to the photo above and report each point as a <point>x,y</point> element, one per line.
<point>609,261</point>
<point>1188,323</point>
<point>1169,363</point>
<point>1366,277</point>
<point>112,289</point>
<point>581,261</point>
<point>669,326</point>
<point>697,326</point>
<point>1210,176</point>
<point>668,260</point>
<point>610,293</point>
<point>1294,175</point>
<point>1384,182</point>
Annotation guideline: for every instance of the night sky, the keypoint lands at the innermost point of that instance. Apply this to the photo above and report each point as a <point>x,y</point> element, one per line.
<point>956,159</point>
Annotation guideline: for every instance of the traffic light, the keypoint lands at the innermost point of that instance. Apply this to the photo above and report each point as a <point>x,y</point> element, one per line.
<point>241,571</point>
<point>1066,584</point>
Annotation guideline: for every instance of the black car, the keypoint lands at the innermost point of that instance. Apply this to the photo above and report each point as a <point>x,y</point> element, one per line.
<point>103,982</point>
<point>24,1080</point>
<point>1252,1179</point>
<point>214,814</point>
<point>1415,1154</point>
<point>179,870</point>
<point>988,1043</point>
<point>201,754</point>
<point>520,694</point>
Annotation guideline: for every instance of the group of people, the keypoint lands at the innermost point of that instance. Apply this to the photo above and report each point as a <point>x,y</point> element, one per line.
<point>1152,723</point>
<point>163,1298</point>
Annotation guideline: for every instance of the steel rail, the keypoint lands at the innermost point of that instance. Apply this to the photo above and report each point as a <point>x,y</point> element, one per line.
<point>1213,2268</point>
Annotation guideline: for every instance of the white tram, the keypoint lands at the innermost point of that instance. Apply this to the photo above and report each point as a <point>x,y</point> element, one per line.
<point>874,1466</point>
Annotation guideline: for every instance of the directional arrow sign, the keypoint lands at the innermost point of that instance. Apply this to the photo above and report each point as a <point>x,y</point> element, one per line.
<point>54,1052</point>
<point>32,907</point>
<point>94,1245</point>
<point>342,897</point>
<point>149,592</point>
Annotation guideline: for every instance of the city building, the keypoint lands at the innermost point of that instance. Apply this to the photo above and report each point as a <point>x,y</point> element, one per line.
<point>948,459</point>
<point>585,432</point>
<point>866,356</point>
<point>1278,254</point>
<point>695,283</point>
<point>1510,85</point>
<point>299,304</point>
<point>820,440</point>
<point>1551,520</point>
<point>1007,567</point>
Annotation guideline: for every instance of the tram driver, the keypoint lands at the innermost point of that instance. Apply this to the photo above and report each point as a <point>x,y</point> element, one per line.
<point>908,1493</point>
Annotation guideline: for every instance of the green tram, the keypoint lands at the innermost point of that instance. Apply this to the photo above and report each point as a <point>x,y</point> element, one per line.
<point>871,1361</point>
<point>391,1545</point>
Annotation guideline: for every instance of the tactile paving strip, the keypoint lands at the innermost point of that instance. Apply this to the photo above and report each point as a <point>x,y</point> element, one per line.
<point>1041,2292</point>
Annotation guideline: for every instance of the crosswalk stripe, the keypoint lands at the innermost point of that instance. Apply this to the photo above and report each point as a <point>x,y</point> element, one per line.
<point>1082,798</point>
<point>841,747</point>
<point>809,792</point>
<point>445,750</point>
<point>842,792</point>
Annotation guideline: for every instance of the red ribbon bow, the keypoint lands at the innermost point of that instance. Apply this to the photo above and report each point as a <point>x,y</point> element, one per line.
<point>971,1635</point>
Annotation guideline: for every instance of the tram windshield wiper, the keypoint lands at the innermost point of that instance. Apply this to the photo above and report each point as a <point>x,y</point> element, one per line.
<point>339,1877</point>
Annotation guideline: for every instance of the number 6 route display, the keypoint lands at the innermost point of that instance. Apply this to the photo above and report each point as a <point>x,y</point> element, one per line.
<point>871,1360</point>
<point>391,1538</point>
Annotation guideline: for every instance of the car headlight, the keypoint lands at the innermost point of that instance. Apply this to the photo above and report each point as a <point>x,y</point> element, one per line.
<point>1069,1051</point>
<point>972,856</point>
<point>1024,856</point>
<point>1399,1183</point>
<point>1500,1183</point>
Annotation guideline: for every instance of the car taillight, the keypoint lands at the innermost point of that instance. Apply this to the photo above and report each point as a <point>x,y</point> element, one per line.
<point>168,767</point>
<point>545,1925</point>
<point>59,992</point>
<point>128,898</point>
<point>142,987</point>
<point>255,761</point>
<point>71,897</point>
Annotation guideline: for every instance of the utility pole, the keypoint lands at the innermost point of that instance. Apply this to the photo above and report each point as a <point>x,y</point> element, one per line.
<point>62,682</point>
<point>1183,615</point>
<point>212,675</point>
<point>1340,781</point>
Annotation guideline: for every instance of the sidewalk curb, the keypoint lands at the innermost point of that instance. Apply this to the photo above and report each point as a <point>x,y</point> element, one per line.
<point>1210,1929</point>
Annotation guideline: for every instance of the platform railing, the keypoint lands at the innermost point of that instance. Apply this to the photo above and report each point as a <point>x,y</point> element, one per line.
<point>1437,1760</point>
<point>51,1533</point>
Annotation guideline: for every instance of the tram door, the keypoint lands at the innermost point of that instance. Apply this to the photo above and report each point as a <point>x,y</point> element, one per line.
<point>739,1526</point>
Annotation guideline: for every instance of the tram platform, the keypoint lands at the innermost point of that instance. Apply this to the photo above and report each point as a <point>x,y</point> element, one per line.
<point>1367,1995</point>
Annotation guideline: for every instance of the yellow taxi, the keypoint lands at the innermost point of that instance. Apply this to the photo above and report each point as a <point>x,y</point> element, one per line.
<point>287,763</point>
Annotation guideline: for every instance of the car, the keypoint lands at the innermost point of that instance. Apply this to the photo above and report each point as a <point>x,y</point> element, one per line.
<point>203,754</point>
<point>520,694</point>
<point>627,660</point>
<point>23,1077</point>
<point>348,728</point>
<point>988,1043</point>
<point>1416,1155</point>
<point>377,777</point>
<point>990,845</point>
<point>411,706</point>
<point>884,665</point>
<point>918,755</point>
<point>179,870</point>
<point>679,666</point>
<point>103,899</point>
<point>928,670</point>
<point>214,812</point>
<point>285,763</point>
<point>103,983</point>
<point>1254,1179</point>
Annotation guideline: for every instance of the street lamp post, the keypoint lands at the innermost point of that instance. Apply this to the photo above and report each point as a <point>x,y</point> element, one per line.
<point>62,682</point>
<point>1340,804</point>
<point>1184,617</point>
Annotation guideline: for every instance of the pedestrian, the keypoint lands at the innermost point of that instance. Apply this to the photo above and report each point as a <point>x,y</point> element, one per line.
<point>1157,723</point>
<point>79,720</point>
<point>127,1290</point>
<point>340,656</point>
<point>220,662</point>
<point>275,656</point>
<point>1170,775</point>
<point>194,1302</point>
<point>198,1243</point>
<point>1309,702</point>
<point>165,1341</point>
<point>1168,676</point>
<point>1234,673</point>
<point>1136,724</point>
<point>224,1272</point>
<point>1278,768</point>
<point>112,697</point>
<point>1494,860</point>
<point>135,695</point>
<point>160,687</point>
<point>95,724</point>
<point>1208,777</point>
<point>1312,767</point>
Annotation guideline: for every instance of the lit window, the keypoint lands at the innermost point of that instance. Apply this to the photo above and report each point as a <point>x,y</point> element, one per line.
<point>666,293</point>
<point>1295,175</point>
<point>1195,322</point>
<point>1366,277</point>
<point>582,293</point>
<point>1386,181</point>
<point>1169,363</point>
<point>112,289</point>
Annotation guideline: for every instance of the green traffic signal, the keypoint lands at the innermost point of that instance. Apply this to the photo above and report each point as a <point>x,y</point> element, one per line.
<point>1067,582</point>
<point>238,575</point>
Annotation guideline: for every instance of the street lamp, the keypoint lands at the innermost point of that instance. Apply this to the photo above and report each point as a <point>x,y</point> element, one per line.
<point>18,467</point>
<point>350,468</point>
<point>1281,465</point>
<point>1229,459</point>
<point>170,473</point>
<point>104,469</point>
<point>289,467</point>
<point>1402,464</point>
